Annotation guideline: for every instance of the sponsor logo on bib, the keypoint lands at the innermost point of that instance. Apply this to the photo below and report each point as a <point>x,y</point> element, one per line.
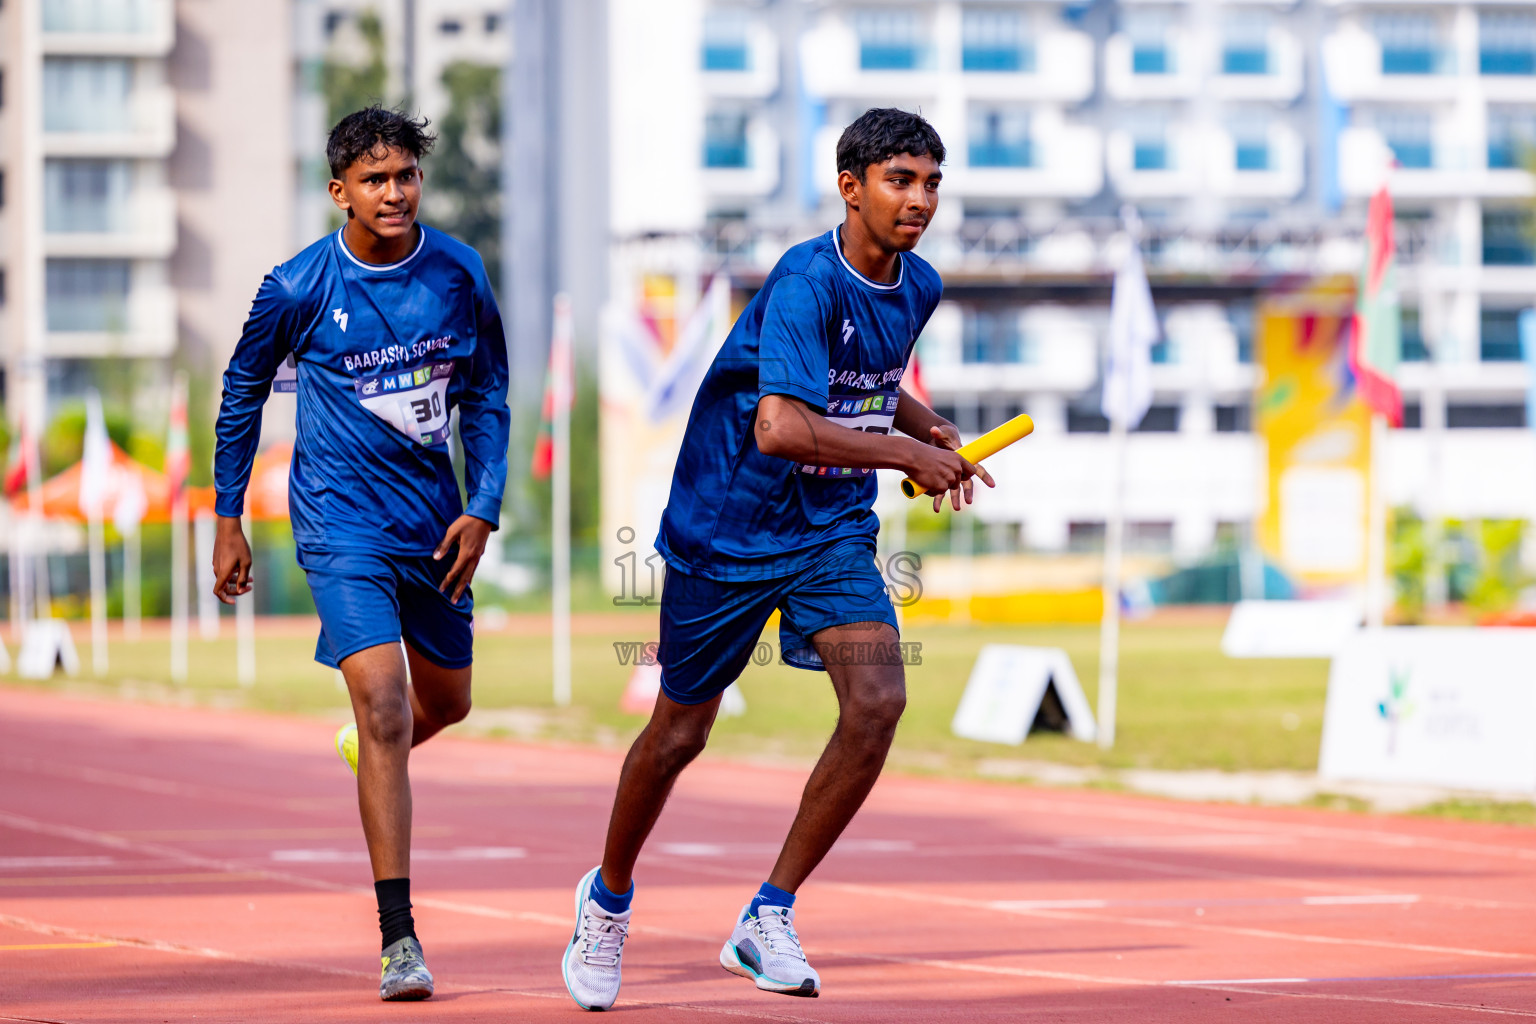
<point>414,402</point>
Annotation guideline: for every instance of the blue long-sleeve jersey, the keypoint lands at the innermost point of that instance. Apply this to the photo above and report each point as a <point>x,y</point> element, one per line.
<point>383,354</point>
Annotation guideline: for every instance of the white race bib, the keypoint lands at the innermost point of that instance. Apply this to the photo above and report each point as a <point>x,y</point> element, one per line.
<point>873,414</point>
<point>414,402</point>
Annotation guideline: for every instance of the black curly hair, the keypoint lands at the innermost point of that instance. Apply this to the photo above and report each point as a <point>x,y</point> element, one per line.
<point>372,132</point>
<point>883,132</point>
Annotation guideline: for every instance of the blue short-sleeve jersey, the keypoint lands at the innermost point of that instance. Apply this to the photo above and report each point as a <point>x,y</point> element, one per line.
<point>821,332</point>
<point>382,354</point>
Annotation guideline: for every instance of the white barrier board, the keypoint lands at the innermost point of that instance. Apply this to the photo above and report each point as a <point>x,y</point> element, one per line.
<point>1433,706</point>
<point>1289,629</point>
<point>1005,691</point>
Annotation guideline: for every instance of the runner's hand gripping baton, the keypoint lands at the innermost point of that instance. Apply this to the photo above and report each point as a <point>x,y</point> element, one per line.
<point>988,444</point>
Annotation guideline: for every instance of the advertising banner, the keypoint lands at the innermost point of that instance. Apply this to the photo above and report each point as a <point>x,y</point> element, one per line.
<point>1434,706</point>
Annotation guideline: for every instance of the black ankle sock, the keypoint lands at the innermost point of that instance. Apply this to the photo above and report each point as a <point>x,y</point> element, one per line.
<point>395,919</point>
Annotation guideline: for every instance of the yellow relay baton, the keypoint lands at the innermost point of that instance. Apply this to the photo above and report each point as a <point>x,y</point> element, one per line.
<point>988,444</point>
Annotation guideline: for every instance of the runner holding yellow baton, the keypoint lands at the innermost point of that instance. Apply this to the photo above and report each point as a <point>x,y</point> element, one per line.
<point>985,446</point>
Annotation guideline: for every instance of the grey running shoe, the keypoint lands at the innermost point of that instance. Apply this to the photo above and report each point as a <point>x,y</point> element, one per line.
<point>766,950</point>
<point>405,975</point>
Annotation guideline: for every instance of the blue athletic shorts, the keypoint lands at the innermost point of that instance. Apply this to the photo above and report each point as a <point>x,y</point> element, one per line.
<point>366,598</point>
<point>710,629</point>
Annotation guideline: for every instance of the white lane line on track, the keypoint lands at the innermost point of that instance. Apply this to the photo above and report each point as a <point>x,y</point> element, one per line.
<point>479,910</point>
<point>458,853</point>
<point>209,953</point>
<point>23,863</point>
<point>141,783</point>
<point>1506,976</point>
<point>886,893</point>
<point>1283,830</point>
<point>1501,1011</point>
<point>1364,899</point>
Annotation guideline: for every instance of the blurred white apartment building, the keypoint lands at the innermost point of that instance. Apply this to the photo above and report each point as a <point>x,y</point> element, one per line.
<point>1248,134</point>
<point>420,39</point>
<point>139,149</point>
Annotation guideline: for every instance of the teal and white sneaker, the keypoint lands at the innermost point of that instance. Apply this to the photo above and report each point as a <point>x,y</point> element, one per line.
<point>593,958</point>
<point>766,949</point>
<point>405,975</point>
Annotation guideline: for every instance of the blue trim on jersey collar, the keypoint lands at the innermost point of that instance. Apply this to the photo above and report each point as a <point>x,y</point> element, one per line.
<point>421,240</point>
<point>901,266</point>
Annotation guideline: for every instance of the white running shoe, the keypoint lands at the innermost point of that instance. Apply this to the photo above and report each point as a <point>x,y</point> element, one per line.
<point>766,949</point>
<point>592,961</point>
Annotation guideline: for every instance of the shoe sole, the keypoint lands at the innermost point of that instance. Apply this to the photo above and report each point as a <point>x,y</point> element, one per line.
<point>406,995</point>
<point>582,888</point>
<point>731,961</point>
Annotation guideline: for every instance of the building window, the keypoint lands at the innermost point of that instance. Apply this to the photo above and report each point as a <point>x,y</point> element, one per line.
<point>992,336</point>
<point>1408,134</point>
<point>492,24</point>
<point>1413,348</point>
<point>725,140</point>
<point>1500,336</point>
<point>1085,537</point>
<point>1150,151</point>
<point>999,138</point>
<point>1149,538</point>
<point>1474,417</point>
<point>86,94</point>
<point>995,41</point>
<point>1506,43</point>
<point>1150,51</point>
<point>1409,45</point>
<point>1086,420</point>
<point>1245,45</point>
<point>888,40</point>
<point>97,16</point>
<point>1234,419</point>
<point>333,21</point>
<point>87,295</point>
<point>1511,134</point>
<point>1250,147</point>
<point>85,195</point>
<point>1160,419</point>
<point>725,42</point>
<point>450,26</point>
<point>1507,239</point>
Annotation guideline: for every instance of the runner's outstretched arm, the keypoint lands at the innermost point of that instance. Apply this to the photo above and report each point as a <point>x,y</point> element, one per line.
<point>264,343</point>
<point>484,428</point>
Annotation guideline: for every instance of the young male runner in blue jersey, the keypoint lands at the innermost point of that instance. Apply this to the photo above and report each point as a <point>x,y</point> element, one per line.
<point>771,509</point>
<point>389,326</point>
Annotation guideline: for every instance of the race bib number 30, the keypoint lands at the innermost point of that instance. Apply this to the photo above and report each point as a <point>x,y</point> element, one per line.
<point>871,413</point>
<point>414,402</point>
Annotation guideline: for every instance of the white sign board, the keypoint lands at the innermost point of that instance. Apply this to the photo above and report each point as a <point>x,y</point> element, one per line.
<point>46,645</point>
<point>1289,629</point>
<point>1007,687</point>
<point>1434,706</point>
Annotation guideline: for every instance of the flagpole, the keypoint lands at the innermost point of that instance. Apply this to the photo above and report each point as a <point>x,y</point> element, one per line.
<point>1133,328</point>
<point>178,531</point>
<point>133,584</point>
<point>560,499</point>
<point>1109,627</point>
<point>95,467</point>
<point>1376,536</point>
<point>245,630</point>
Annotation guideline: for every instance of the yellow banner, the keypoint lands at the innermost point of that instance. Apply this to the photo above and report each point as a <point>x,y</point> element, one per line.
<point>1317,433</point>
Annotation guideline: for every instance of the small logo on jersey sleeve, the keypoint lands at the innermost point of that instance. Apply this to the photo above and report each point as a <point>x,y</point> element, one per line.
<point>847,331</point>
<point>340,317</point>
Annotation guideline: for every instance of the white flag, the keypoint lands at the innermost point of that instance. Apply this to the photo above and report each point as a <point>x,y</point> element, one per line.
<point>96,463</point>
<point>1133,330</point>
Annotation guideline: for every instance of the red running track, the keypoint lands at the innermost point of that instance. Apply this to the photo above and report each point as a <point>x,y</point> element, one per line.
<point>162,864</point>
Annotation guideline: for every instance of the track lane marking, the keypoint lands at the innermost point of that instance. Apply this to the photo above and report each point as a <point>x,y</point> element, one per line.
<point>56,945</point>
<point>181,879</point>
<point>1502,1011</point>
<point>207,952</point>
